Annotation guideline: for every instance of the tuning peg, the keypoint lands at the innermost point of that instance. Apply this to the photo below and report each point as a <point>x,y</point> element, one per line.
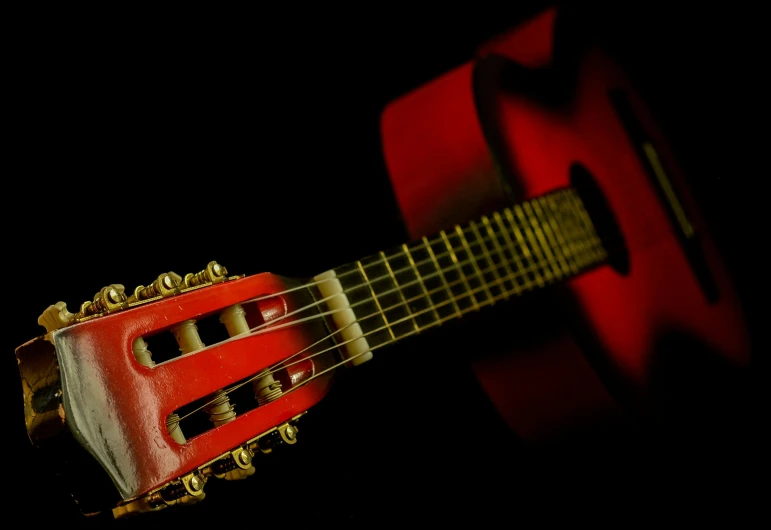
<point>167,284</point>
<point>108,299</point>
<point>213,273</point>
<point>55,317</point>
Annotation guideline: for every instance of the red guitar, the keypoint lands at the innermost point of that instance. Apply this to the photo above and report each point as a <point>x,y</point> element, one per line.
<point>532,171</point>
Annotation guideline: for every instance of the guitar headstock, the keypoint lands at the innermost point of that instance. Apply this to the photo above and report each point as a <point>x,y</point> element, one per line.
<point>183,380</point>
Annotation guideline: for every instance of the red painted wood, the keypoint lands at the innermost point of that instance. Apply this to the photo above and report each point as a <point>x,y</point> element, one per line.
<point>542,388</point>
<point>433,146</point>
<point>442,173</point>
<point>531,44</point>
<point>125,430</point>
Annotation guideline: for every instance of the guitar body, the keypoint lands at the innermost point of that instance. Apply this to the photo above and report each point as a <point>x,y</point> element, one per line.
<point>635,340</point>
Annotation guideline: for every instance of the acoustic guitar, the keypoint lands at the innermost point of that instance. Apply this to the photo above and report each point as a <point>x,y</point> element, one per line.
<point>530,179</point>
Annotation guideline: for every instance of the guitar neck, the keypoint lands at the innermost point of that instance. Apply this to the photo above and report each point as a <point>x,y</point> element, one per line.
<point>419,285</point>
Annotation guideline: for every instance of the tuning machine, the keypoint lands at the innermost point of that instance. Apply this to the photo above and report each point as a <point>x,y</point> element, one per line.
<point>113,297</point>
<point>237,463</point>
<point>167,284</point>
<point>285,433</point>
<point>213,273</point>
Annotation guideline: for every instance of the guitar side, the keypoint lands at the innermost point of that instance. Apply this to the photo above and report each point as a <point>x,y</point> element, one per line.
<point>502,129</point>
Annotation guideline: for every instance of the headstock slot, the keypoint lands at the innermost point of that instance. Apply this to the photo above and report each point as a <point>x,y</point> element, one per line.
<point>195,422</point>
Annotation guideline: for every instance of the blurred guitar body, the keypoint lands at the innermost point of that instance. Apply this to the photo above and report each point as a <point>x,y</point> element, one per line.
<point>540,108</point>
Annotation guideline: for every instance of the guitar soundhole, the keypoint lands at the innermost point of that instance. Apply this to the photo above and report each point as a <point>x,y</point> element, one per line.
<point>602,217</point>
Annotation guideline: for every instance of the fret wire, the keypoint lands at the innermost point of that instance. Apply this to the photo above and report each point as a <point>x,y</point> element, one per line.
<point>462,274</point>
<point>438,272</point>
<point>374,297</point>
<point>555,217</point>
<point>578,238</point>
<point>474,263</point>
<point>523,272</point>
<point>417,263</point>
<point>489,258</point>
<point>527,220</point>
<point>427,260</point>
<point>585,221</point>
<point>441,275</point>
<point>407,253</point>
<point>546,227</point>
<point>530,218</point>
<point>398,287</point>
<point>437,322</point>
<point>512,248</point>
<point>566,198</point>
<point>546,273</point>
<point>478,289</point>
<point>488,226</point>
<point>383,277</point>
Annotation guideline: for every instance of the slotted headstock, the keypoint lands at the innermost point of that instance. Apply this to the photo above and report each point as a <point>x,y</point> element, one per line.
<point>179,381</point>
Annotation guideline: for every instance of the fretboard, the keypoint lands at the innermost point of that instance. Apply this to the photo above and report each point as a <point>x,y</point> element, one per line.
<point>419,285</point>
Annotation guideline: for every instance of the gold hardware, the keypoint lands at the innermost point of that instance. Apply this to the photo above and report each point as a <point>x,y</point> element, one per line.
<point>189,488</point>
<point>166,284</point>
<point>243,458</point>
<point>213,273</point>
<point>113,297</point>
<point>55,317</point>
<point>109,299</point>
<point>288,433</point>
<point>194,484</point>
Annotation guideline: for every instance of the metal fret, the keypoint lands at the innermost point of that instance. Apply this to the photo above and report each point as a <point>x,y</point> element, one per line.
<point>377,302</point>
<point>526,210</point>
<point>474,263</point>
<point>504,261</point>
<point>460,269</point>
<point>434,280</point>
<point>420,280</point>
<point>490,261</point>
<point>399,289</point>
<point>546,275</point>
<point>441,275</point>
<point>515,255</point>
<point>554,246</point>
<point>569,223</point>
<point>555,219</point>
<point>597,253</point>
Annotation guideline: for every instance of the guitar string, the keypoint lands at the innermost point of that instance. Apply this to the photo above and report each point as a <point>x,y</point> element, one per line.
<point>515,291</point>
<point>520,289</point>
<point>561,194</point>
<point>380,261</point>
<point>274,368</point>
<point>501,296</point>
<point>489,301</point>
<point>572,228</point>
<point>504,295</point>
<point>511,249</point>
<point>270,326</point>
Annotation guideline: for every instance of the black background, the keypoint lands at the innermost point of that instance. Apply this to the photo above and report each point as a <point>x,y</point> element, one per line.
<point>142,142</point>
